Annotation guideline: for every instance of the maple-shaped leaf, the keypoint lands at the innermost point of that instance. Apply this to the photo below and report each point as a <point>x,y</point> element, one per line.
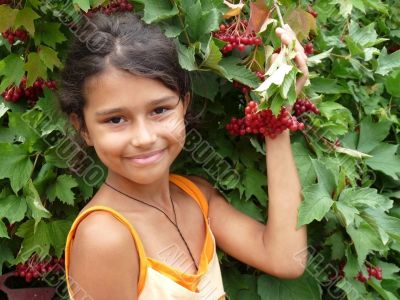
<point>259,14</point>
<point>25,18</point>
<point>301,22</point>
<point>34,68</point>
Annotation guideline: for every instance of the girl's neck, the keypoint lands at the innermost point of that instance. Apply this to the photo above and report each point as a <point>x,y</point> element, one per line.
<point>156,193</point>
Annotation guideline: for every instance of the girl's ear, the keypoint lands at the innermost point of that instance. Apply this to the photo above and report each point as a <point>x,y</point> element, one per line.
<point>74,119</point>
<point>186,103</point>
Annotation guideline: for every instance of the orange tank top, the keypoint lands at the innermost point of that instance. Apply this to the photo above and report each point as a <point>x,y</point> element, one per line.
<point>157,280</point>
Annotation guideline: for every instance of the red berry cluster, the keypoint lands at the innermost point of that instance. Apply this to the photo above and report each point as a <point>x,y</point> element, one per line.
<point>236,37</point>
<point>309,49</point>
<point>263,122</point>
<point>304,105</point>
<point>311,11</point>
<point>34,268</point>
<point>11,36</point>
<point>244,88</point>
<point>372,272</point>
<point>14,93</point>
<point>113,7</point>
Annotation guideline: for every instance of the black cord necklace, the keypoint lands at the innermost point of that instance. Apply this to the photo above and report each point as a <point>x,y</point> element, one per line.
<point>173,208</point>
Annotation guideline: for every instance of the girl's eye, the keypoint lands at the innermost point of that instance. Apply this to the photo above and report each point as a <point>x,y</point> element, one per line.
<point>160,110</point>
<point>115,120</point>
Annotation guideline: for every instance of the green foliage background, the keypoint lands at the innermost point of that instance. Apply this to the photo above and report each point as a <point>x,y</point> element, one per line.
<point>351,193</point>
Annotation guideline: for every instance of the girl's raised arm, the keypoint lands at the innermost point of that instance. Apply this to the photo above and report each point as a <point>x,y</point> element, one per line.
<point>277,248</point>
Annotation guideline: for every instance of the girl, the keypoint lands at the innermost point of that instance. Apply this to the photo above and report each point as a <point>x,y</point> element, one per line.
<point>149,234</point>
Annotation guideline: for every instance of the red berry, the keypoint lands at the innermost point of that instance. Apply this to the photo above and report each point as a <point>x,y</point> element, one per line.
<point>309,49</point>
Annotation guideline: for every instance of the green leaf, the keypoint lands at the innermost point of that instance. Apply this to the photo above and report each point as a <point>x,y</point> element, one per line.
<point>304,165</point>
<point>254,182</point>
<point>49,33</point>
<point>377,5</point>
<point>6,254</point>
<point>276,104</point>
<point>57,233</point>
<point>330,109</point>
<point>186,57</point>
<point>25,18</point>
<point>205,84</point>
<point>362,198</point>
<point>372,133</point>
<point>34,68</point>
<point>346,6</point>
<point>392,84</point>
<point>288,85</point>
<point>365,36</point>
<point>317,59</point>
<point>385,160</point>
<point>61,189</point>
<point>12,208</point>
<point>325,176</point>
<point>336,241</point>
<point>387,63</point>
<point>304,288</point>
<point>35,240</point>
<point>346,212</point>
<point>327,86</point>
<point>24,125</point>
<point>354,48</point>
<point>315,205</point>
<point>239,73</point>
<point>157,10</point>
<point>12,71</point>
<point>379,220</point>
<point>82,4</point>
<point>7,17</point>
<point>212,56</point>
<point>365,240</point>
<point>352,267</point>
<point>49,57</point>
<point>3,230</point>
<point>172,28</point>
<point>198,21</point>
<point>15,164</point>
<point>37,210</point>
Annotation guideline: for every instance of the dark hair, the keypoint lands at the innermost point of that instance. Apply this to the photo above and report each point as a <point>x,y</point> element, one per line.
<point>123,41</point>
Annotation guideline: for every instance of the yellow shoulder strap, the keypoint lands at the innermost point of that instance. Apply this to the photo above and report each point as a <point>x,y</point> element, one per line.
<point>192,189</point>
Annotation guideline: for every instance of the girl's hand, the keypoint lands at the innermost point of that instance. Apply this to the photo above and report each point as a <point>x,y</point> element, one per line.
<point>287,35</point>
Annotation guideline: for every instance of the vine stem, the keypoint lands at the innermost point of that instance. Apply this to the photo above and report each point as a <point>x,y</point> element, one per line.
<point>276,5</point>
<point>34,163</point>
<point>181,22</point>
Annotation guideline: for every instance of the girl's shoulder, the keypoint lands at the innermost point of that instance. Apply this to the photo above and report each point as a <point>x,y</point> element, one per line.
<point>206,187</point>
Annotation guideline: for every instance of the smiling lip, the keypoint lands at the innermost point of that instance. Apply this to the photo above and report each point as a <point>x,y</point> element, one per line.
<point>148,157</point>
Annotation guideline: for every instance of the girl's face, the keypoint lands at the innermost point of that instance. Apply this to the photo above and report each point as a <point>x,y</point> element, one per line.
<point>135,124</point>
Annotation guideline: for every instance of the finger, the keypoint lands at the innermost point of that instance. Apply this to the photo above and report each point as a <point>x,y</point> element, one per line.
<point>273,57</point>
<point>287,35</point>
<point>302,65</point>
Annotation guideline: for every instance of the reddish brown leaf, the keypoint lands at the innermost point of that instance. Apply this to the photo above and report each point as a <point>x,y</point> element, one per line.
<point>259,13</point>
<point>301,22</point>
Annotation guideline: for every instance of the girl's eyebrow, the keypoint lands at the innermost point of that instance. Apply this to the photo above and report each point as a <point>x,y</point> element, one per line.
<point>121,109</point>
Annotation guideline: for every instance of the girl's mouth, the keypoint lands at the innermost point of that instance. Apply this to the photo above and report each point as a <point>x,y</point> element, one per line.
<point>148,158</point>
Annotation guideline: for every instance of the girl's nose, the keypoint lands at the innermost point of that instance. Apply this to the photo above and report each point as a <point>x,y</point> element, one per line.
<point>144,134</point>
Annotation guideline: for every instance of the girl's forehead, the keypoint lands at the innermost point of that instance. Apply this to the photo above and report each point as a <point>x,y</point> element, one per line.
<point>121,86</point>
